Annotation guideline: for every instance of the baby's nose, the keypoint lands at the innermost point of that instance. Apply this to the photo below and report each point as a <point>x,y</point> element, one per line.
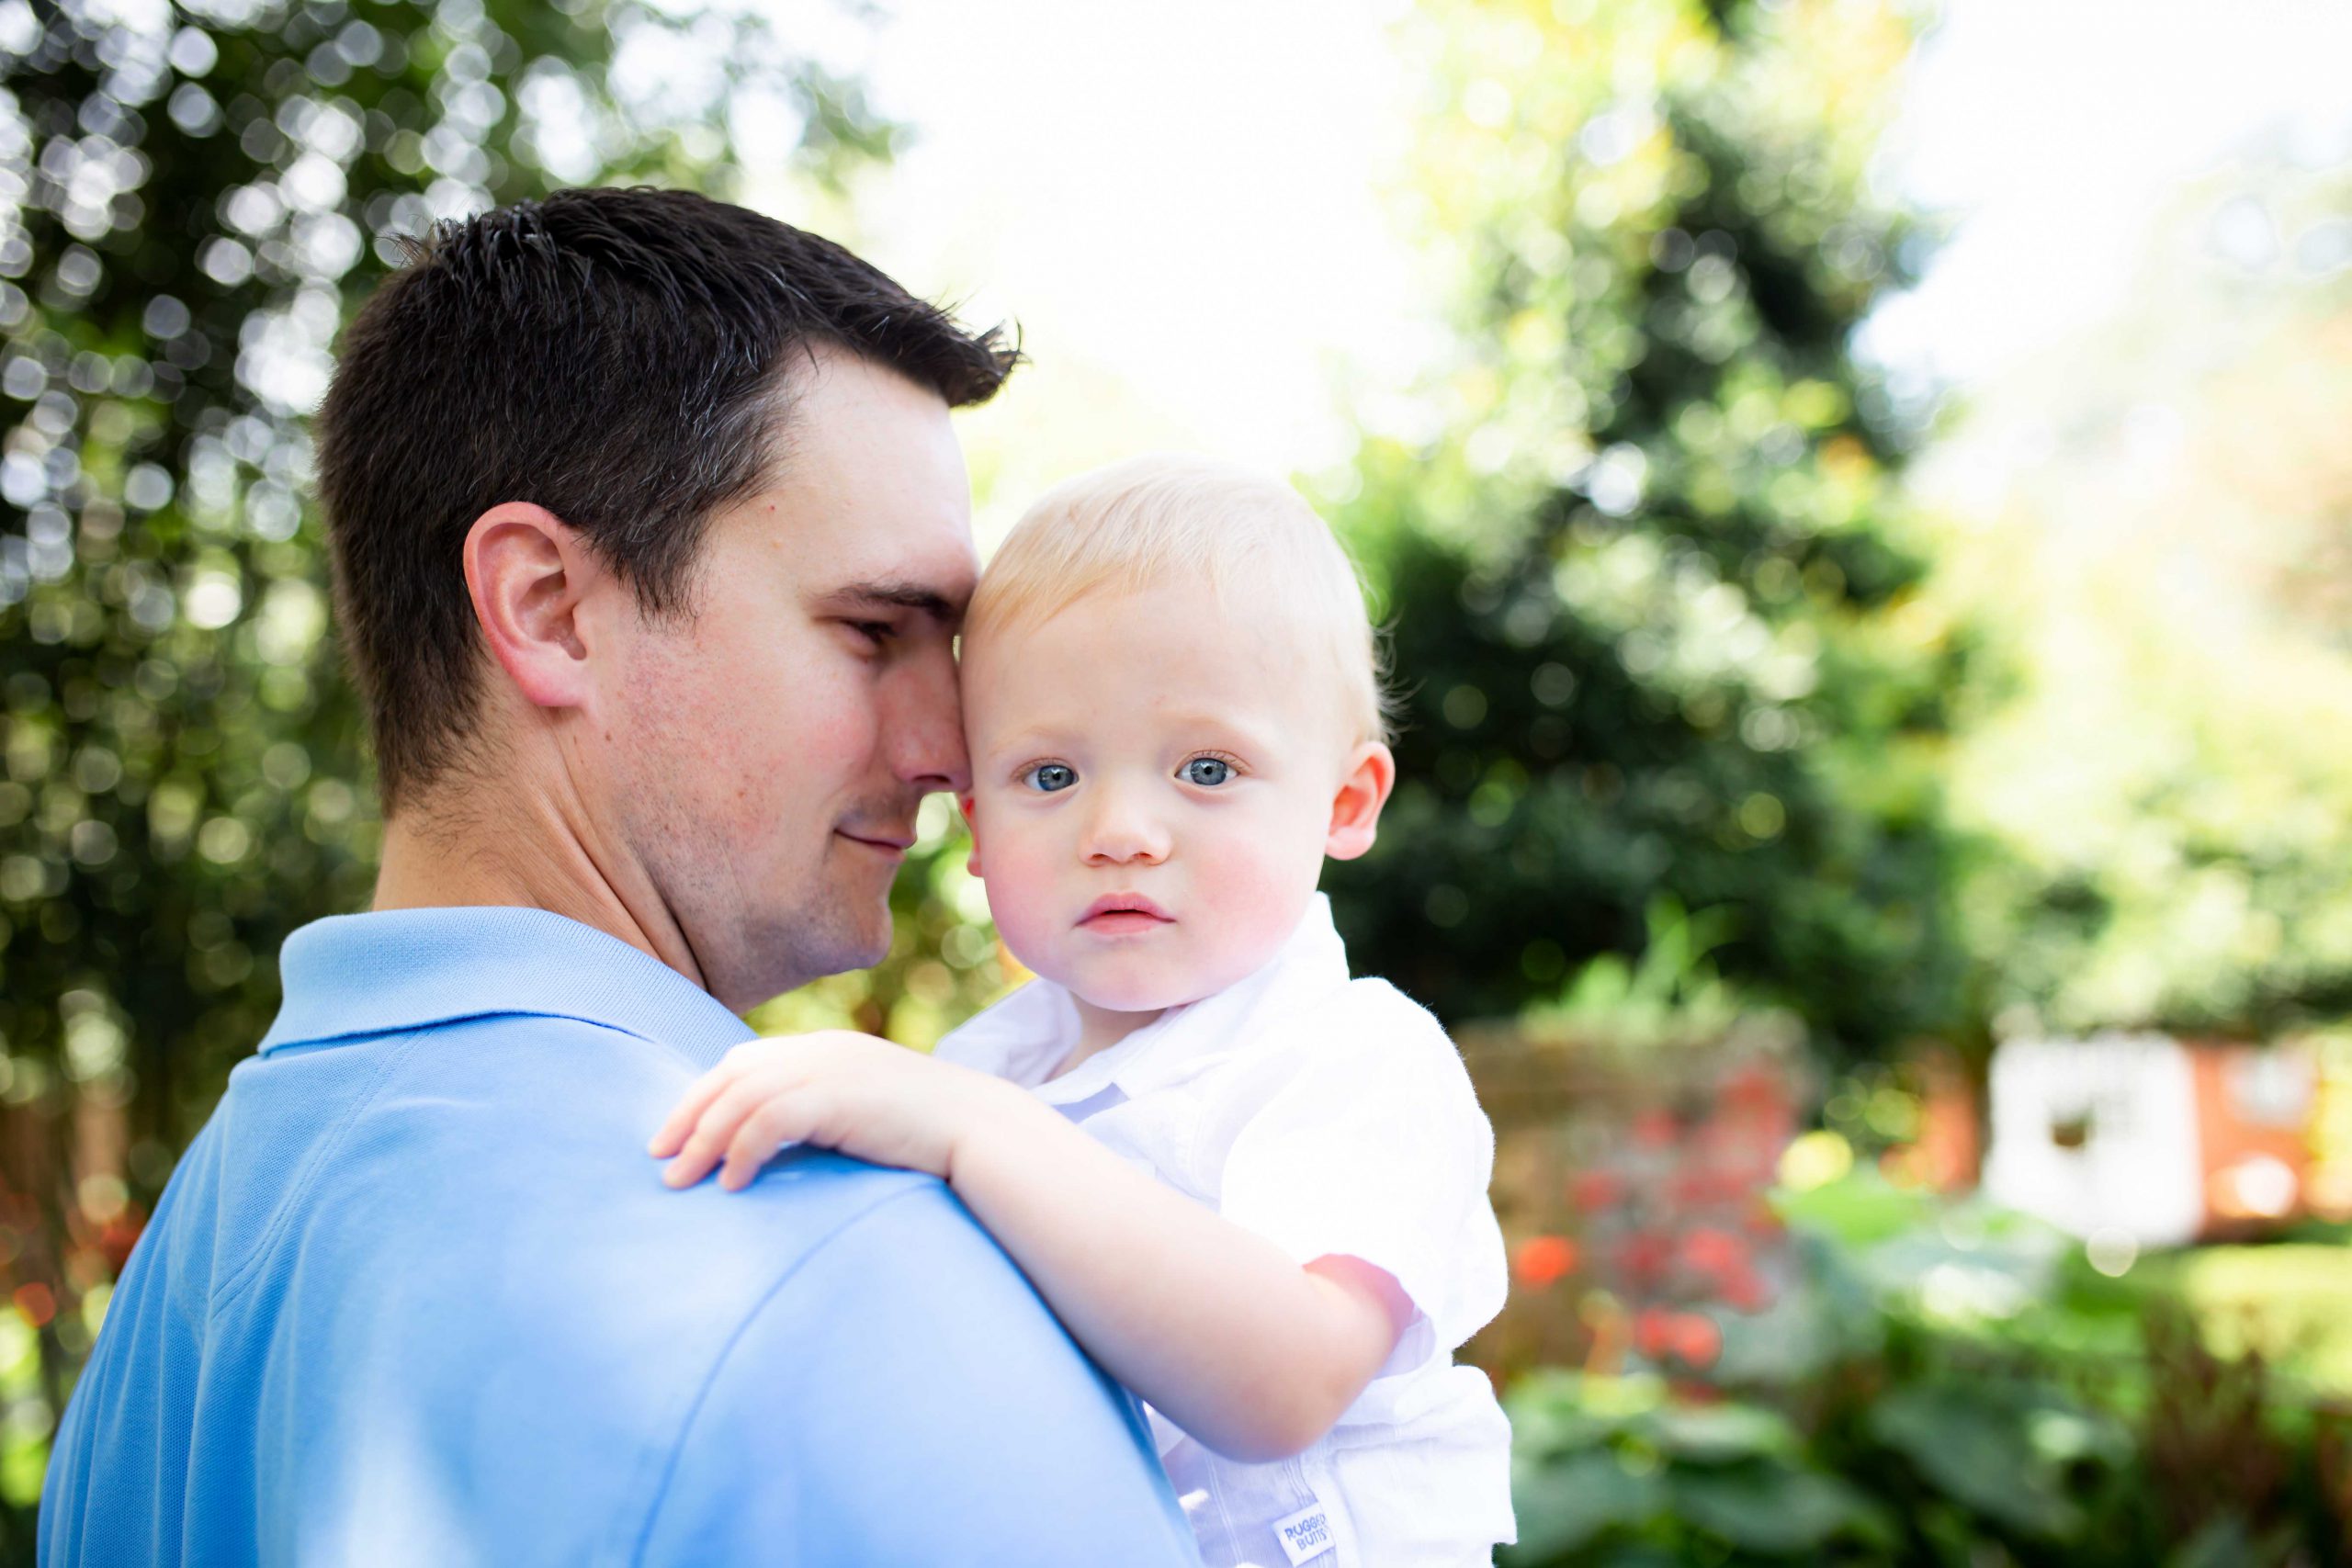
<point>1120,832</point>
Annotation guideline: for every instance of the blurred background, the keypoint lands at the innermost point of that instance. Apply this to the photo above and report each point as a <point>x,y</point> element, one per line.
<point>1860,496</point>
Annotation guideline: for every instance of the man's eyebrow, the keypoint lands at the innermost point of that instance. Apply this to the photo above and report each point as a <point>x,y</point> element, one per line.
<point>901,594</point>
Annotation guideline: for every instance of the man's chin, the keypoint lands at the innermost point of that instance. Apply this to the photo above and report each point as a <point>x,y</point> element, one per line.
<point>808,944</point>
<point>873,952</point>
<point>861,938</point>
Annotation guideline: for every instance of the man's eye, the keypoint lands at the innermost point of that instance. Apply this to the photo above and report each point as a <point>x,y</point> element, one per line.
<point>879,632</point>
<point>1047,778</point>
<point>1207,772</point>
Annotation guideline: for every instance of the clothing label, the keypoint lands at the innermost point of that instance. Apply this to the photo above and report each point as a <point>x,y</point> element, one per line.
<point>1306,1534</point>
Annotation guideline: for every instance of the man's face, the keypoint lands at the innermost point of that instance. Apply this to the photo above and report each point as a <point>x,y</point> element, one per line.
<point>771,747</point>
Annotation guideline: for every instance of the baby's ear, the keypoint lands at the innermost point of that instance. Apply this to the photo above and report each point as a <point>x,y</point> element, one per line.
<point>1355,808</point>
<point>972,861</point>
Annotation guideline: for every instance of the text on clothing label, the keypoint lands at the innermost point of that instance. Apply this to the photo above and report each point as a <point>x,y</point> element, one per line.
<point>1306,1534</point>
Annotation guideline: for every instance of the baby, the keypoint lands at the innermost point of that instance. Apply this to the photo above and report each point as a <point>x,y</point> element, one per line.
<point>1253,1189</point>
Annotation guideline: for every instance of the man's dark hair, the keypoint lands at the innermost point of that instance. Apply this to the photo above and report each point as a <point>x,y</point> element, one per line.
<point>616,356</point>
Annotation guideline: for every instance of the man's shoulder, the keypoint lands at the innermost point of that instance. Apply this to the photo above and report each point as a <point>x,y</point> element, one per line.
<point>905,1389</point>
<point>453,1240</point>
<point>547,1118</point>
<point>504,1156</point>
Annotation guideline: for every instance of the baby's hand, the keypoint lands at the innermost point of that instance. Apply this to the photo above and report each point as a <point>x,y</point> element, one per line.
<point>866,1096</point>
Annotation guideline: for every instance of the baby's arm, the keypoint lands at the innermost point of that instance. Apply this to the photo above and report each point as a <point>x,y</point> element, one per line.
<point>1244,1349</point>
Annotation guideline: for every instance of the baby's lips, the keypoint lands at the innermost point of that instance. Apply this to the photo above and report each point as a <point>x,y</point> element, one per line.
<point>1124,903</point>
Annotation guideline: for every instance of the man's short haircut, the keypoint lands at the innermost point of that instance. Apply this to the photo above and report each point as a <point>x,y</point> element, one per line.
<point>621,357</point>
<point>1170,517</point>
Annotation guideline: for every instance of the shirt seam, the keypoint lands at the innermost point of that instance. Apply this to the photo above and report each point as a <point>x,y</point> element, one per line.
<point>718,1362</point>
<point>224,1294</point>
<point>446,1021</point>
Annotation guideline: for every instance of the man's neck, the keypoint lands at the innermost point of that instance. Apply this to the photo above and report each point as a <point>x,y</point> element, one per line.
<point>530,850</point>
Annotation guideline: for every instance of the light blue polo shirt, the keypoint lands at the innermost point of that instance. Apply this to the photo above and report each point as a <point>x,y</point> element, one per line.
<point>417,1295</point>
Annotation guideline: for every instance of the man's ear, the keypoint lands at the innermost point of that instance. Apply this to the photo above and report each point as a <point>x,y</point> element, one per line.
<point>526,570</point>
<point>972,862</point>
<point>1355,809</point>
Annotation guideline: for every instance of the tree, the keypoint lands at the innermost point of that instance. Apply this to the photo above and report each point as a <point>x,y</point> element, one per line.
<point>1653,595</point>
<point>191,201</point>
<point>2171,773</point>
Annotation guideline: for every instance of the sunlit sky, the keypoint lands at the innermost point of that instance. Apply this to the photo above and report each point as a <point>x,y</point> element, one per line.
<point>2052,133</point>
<point>1184,205</point>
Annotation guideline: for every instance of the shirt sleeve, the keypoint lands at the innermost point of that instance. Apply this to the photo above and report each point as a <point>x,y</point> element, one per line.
<point>1374,1147</point>
<point>906,1397</point>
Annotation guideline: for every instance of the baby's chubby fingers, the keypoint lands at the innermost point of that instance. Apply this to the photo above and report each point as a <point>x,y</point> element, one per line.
<point>780,1119</point>
<point>671,1137</point>
<point>697,1155</point>
<point>750,1056</point>
<point>716,1127</point>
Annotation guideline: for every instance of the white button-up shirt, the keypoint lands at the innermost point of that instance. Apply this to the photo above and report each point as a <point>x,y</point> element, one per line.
<point>1333,1117</point>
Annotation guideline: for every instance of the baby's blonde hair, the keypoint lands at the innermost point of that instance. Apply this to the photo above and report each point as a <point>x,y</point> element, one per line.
<point>1164,516</point>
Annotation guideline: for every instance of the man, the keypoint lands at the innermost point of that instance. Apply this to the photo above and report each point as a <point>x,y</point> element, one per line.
<point>651,538</point>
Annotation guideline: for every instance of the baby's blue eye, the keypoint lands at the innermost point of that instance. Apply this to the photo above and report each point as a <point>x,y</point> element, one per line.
<point>1047,777</point>
<point>1207,772</point>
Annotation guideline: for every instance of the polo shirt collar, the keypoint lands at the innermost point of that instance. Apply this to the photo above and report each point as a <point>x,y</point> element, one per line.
<point>391,971</point>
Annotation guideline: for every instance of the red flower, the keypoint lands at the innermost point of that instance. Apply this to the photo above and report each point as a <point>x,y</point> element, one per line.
<point>35,1302</point>
<point>1654,1332</point>
<point>1713,1252</point>
<point>1645,1255</point>
<point>1544,1260</point>
<point>1593,1191</point>
<point>1744,1291</point>
<point>1696,1338</point>
<point>1690,1187</point>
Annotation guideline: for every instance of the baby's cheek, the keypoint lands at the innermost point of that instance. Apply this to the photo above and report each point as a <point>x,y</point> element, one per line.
<point>1259,894</point>
<point>1020,898</point>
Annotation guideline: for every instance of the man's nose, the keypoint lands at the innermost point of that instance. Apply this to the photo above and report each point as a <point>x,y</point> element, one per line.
<point>1121,829</point>
<point>924,728</point>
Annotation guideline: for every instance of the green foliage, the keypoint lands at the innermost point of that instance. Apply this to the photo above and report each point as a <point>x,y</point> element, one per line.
<point>1890,1411</point>
<point>2283,1299</point>
<point>1653,599</point>
<point>2169,773</point>
<point>1617,1464</point>
<point>1669,995</point>
<point>191,200</point>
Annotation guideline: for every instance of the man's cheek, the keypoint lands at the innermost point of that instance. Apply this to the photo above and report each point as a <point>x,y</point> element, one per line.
<point>822,733</point>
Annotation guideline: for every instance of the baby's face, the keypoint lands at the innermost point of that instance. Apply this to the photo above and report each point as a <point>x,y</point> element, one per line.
<point>1152,789</point>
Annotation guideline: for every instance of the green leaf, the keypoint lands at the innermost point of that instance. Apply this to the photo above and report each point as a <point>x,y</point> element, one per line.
<point>2222,1543</point>
<point>1773,1509</point>
<point>1638,1556</point>
<point>1563,1506</point>
<point>1719,1434</point>
<point>1976,1451</point>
